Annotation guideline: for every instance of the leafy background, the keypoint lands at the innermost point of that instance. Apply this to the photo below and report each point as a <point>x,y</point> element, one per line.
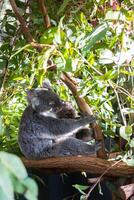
<point>93,41</point>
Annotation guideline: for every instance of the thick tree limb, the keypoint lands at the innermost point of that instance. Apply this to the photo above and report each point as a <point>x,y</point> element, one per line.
<point>44,12</point>
<point>84,107</point>
<point>80,163</point>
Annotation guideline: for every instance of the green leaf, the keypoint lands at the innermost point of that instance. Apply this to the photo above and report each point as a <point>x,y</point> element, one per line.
<point>115,15</point>
<point>128,110</point>
<point>126,132</point>
<point>83,197</point>
<point>89,40</point>
<point>48,36</point>
<point>2,127</point>
<point>108,107</point>
<point>58,34</point>
<point>109,75</point>
<point>13,164</point>
<point>43,58</point>
<point>129,161</point>
<point>106,57</point>
<point>63,6</point>
<point>6,187</point>
<point>3,195</point>
<point>27,186</point>
<point>80,188</point>
<point>68,66</point>
<point>21,49</point>
<point>18,186</point>
<point>32,190</point>
<point>131,143</point>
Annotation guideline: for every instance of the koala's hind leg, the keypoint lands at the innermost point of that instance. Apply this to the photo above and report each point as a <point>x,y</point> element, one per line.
<point>73,146</point>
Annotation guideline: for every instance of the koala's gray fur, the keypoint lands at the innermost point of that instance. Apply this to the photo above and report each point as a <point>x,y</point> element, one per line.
<point>45,133</point>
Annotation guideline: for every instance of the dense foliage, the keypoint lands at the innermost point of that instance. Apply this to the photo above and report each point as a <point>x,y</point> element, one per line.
<point>93,41</point>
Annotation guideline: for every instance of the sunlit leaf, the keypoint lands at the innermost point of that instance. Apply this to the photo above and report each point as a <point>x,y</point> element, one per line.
<point>115,15</point>
<point>106,57</point>
<point>90,39</point>
<point>127,110</point>
<point>126,132</point>
<point>131,143</point>
<point>68,66</point>
<point>129,161</point>
<point>48,36</point>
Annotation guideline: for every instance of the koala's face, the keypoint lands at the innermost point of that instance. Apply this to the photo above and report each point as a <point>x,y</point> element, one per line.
<point>44,101</point>
<point>67,111</point>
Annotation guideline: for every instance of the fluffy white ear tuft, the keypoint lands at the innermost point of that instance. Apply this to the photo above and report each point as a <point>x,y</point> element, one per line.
<point>47,84</point>
<point>35,102</point>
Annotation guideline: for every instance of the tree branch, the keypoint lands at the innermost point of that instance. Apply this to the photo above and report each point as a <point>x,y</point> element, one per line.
<point>22,22</point>
<point>84,107</point>
<point>44,12</point>
<point>81,163</point>
<point>24,27</point>
<point>126,191</point>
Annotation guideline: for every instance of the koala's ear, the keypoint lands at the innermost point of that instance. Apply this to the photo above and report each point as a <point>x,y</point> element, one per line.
<point>46,84</point>
<point>30,94</point>
<point>32,98</point>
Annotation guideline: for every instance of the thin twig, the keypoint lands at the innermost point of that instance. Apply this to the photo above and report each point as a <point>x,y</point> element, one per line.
<point>122,115</point>
<point>4,77</point>
<point>99,179</point>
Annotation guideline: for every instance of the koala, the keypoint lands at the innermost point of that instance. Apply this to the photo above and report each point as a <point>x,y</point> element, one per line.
<point>68,111</point>
<point>46,129</point>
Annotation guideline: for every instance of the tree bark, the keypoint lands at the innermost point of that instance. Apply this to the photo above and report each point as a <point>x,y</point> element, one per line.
<point>81,163</point>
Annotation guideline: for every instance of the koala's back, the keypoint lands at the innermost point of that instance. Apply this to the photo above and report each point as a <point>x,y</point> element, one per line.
<point>29,139</point>
<point>25,128</point>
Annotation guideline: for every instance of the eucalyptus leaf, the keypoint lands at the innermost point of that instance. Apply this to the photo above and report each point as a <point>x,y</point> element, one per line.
<point>13,164</point>
<point>63,6</point>
<point>126,132</point>
<point>115,15</point>
<point>131,143</point>
<point>90,39</point>
<point>6,186</point>
<point>32,190</point>
<point>106,57</point>
<point>68,66</point>
<point>4,196</point>
<point>129,161</point>
<point>48,36</point>
<point>127,110</point>
<point>80,188</point>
